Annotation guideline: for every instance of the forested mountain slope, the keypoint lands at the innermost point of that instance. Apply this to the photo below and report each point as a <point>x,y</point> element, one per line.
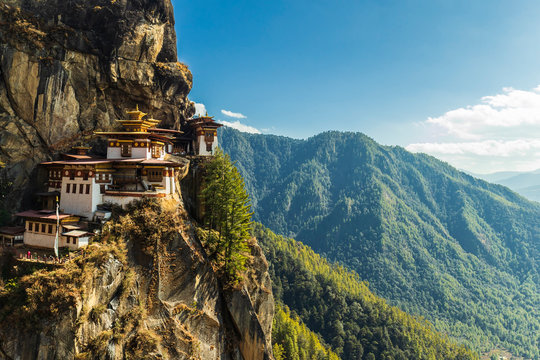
<point>333,302</point>
<point>433,240</point>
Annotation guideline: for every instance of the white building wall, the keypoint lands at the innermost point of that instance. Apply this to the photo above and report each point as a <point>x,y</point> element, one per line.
<point>141,153</point>
<point>172,183</point>
<point>202,147</point>
<point>214,144</point>
<point>81,242</point>
<point>166,183</point>
<point>97,197</point>
<point>47,241</point>
<point>39,239</point>
<point>76,203</point>
<point>113,153</point>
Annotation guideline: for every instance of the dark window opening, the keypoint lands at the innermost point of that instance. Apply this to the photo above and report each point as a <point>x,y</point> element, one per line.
<point>67,188</point>
<point>49,229</point>
<point>88,188</point>
<point>126,149</point>
<point>155,175</point>
<point>81,188</point>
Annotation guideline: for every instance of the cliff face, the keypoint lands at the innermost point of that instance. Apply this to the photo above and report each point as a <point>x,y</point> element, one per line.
<point>145,288</point>
<point>145,291</point>
<point>70,67</point>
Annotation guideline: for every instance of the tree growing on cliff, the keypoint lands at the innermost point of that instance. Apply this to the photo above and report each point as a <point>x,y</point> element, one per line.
<point>228,212</point>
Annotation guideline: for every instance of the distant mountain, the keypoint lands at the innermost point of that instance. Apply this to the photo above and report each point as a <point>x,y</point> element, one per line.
<point>524,183</point>
<point>435,241</point>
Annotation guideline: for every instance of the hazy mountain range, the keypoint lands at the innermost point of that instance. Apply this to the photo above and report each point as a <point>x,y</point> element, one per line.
<point>524,183</point>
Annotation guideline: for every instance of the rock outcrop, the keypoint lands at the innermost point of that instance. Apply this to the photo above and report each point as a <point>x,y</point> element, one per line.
<point>146,290</point>
<point>70,67</point>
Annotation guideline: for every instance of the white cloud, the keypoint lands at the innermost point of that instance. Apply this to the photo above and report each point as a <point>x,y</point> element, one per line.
<point>495,115</point>
<point>521,147</point>
<point>233,114</point>
<point>502,132</point>
<point>241,127</point>
<point>200,109</point>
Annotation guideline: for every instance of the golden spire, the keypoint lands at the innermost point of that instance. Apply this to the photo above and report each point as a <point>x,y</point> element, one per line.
<point>136,114</point>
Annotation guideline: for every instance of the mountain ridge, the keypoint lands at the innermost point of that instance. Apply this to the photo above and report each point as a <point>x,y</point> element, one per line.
<point>433,240</point>
<point>336,304</point>
<point>524,183</point>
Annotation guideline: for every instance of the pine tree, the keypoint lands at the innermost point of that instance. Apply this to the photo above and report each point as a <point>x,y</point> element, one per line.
<point>228,212</point>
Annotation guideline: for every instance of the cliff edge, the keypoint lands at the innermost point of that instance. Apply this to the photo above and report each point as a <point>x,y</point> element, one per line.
<point>145,290</point>
<point>70,67</point>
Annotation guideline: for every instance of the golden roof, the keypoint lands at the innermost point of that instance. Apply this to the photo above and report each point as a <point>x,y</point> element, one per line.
<point>136,114</point>
<point>135,125</point>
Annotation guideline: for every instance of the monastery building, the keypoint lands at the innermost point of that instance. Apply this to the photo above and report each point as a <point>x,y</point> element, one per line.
<point>142,161</point>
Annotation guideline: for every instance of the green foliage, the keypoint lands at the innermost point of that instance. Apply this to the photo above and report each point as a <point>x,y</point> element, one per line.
<point>431,239</point>
<point>279,351</point>
<point>292,340</point>
<point>227,211</point>
<point>335,303</point>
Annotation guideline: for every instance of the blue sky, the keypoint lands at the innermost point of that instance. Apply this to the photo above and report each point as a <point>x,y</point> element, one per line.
<point>409,73</point>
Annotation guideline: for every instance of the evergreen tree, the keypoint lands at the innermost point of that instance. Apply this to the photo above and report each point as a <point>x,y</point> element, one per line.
<point>228,212</point>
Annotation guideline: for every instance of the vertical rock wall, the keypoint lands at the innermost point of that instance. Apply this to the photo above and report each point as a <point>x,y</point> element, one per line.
<point>145,290</point>
<point>70,67</point>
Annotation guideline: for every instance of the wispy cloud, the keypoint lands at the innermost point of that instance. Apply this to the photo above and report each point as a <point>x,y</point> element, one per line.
<point>521,147</point>
<point>496,115</point>
<point>502,132</point>
<point>240,127</point>
<point>200,109</point>
<point>233,114</point>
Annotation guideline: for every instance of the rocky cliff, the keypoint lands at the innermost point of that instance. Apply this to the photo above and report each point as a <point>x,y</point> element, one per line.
<point>145,290</point>
<point>70,67</point>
